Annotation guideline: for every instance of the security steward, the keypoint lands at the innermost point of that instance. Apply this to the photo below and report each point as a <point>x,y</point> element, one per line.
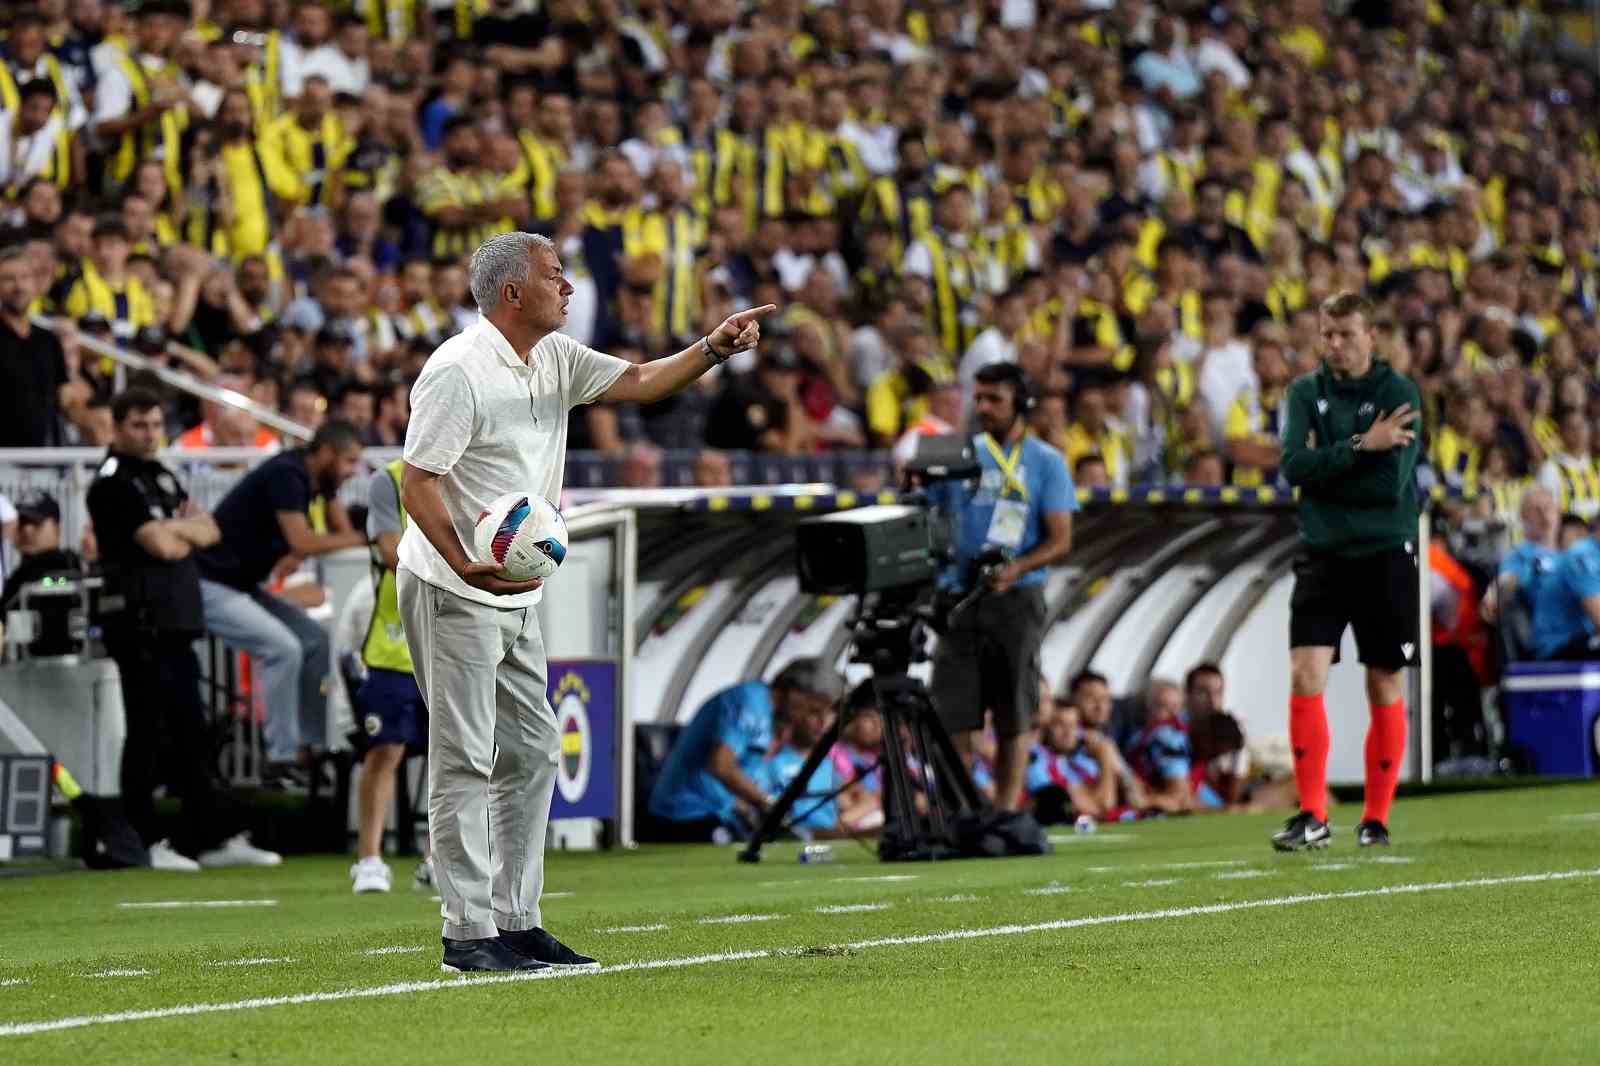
<point>1019,521</point>
<point>148,531</point>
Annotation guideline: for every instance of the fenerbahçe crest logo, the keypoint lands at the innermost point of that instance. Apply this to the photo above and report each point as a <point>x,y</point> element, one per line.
<point>577,747</point>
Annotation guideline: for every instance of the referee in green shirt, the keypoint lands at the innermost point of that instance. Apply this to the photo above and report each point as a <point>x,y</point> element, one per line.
<point>1350,448</point>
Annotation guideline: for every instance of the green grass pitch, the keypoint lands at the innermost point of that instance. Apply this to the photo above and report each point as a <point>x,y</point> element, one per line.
<point>1474,940</point>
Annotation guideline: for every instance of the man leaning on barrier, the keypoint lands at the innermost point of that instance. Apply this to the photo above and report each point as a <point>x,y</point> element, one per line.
<point>149,531</point>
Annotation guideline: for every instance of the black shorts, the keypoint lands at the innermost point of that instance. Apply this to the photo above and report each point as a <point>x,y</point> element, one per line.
<point>1374,594</point>
<point>988,659</point>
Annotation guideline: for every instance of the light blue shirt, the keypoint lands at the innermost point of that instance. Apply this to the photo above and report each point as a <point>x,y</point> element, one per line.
<point>741,718</point>
<point>1156,71</point>
<point>1042,471</point>
<point>1534,567</point>
<point>810,812</point>
<point>1559,617</point>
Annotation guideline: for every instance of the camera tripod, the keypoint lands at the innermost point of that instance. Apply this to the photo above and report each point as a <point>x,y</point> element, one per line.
<point>919,760</point>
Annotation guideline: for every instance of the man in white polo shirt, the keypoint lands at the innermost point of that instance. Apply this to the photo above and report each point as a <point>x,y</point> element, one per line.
<point>489,416</point>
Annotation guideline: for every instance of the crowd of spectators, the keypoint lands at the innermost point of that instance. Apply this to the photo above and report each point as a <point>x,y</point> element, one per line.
<point>1141,203</point>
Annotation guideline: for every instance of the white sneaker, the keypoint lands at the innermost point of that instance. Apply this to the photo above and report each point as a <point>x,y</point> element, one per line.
<point>423,876</point>
<point>163,857</point>
<point>238,851</point>
<point>371,874</point>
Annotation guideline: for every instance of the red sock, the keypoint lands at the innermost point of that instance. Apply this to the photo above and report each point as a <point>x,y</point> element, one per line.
<point>1386,746</point>
<point>1308,736</point>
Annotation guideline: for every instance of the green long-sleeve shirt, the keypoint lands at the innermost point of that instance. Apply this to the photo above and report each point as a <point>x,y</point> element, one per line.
<point>1351,503</point>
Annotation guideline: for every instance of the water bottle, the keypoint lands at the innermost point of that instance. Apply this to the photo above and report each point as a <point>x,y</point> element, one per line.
<point>1084,824</point>
<point>815,853</point>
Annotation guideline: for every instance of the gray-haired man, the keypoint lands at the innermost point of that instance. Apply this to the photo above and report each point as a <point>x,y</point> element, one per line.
<point>489,415</point>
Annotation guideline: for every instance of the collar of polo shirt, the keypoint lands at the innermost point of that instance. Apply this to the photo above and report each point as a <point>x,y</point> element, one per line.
<point>502,347</point>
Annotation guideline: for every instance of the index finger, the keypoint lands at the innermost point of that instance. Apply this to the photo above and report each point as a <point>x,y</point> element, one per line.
<point>753,313</point>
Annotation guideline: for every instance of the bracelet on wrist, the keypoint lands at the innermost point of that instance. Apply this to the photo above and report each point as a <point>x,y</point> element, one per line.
<point>712,353</point>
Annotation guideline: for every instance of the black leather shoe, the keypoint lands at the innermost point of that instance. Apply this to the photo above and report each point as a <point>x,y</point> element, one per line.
<point>540,945</point>
<point>485,956</point>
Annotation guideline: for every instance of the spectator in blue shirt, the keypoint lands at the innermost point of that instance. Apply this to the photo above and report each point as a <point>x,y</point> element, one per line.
<point>988,658</point>
<point>1527,573</point>
<point>816,811</point>
<point>1160,754</point>
<point>716,771</point>
<point>1566,621</point>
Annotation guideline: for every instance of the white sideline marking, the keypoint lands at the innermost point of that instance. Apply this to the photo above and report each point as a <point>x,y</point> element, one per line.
<point>882,877</point>
<point>1330,866</point>
<point>81,1021</point>
<point>852,908</point>
<point>13,982</point>
<point>167,904</point>
<point>253,962</point>
<point>1154,882</point>
<point>738,919</point>
<point>958,898</point>
<point>1587,816</point>
<point>555,895</point>
<point>656,928</point>
<point>1240,875</point>
<point>398,949</point>
<point>1088,838</point>
<point>117,973</point>
<point>1393,860</point>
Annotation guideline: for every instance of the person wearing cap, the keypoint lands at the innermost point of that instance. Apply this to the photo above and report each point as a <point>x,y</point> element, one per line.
<point>760,411</point>
<point>717,775</point>
<point>39,544</point>
<point>332,358</point>
<point>149,532</point>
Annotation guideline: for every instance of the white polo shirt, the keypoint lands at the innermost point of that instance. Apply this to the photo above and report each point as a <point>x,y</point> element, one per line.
<point>490,424</point>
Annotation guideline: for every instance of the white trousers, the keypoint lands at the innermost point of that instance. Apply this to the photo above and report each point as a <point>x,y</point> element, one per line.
<point>492,751</point>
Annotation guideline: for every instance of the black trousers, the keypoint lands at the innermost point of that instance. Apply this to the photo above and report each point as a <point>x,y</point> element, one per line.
<point>167,740</point>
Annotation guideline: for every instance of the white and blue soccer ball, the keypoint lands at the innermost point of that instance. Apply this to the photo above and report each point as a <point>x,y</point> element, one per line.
<point>524,534</point>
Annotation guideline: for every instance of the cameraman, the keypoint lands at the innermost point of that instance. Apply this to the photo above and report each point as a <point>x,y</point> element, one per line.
<point>1021,511</point>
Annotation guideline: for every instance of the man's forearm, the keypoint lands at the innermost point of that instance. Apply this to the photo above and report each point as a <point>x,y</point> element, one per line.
<point>1049,553</point>
<point>424,505</point>
<point>199,531</point>
<point>741,786</point>
<point>661,378</point>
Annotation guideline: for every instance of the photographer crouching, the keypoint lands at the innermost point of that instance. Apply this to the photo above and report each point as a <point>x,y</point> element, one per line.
<point>1017,522</point>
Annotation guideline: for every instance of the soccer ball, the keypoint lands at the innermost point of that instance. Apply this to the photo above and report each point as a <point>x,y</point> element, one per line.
<point>524,533</point>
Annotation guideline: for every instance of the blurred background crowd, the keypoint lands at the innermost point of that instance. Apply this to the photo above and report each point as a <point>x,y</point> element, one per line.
<point>1141,203</point>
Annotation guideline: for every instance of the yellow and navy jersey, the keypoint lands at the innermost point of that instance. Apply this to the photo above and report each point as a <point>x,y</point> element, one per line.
<point>444,188</point>
<point>1110,444</point>
<point>716,161</point>
<point>252,181</point>
<point>542,161</point>
<point>676,237</point>
<point>1455,458</point>
<point>126,305</point>
<point>906,209</point>
<point>1254,418</point>
<point>1576,483</point>
<point>895,400</point>
<point>315,156</point>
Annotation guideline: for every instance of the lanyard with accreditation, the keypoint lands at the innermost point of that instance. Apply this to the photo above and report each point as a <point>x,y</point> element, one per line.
<point>1010,519</point>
